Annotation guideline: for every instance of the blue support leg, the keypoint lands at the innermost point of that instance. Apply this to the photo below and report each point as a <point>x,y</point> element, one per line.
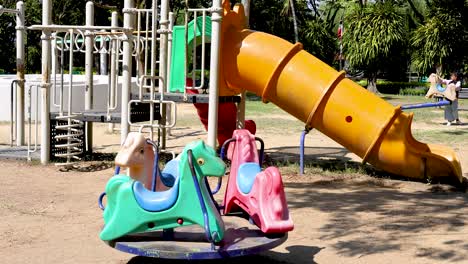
<point>301,150</point>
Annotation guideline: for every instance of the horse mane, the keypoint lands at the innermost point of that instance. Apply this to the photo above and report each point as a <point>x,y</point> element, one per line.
<point>434,79</point>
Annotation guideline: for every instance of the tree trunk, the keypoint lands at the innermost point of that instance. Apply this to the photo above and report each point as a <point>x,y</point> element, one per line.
<point>418,15</point>
<point>372,83</point>
<point>439,69</point>
<point>293,11</point>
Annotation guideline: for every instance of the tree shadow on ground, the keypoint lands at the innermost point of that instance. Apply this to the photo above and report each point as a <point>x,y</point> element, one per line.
<point>393,217</point>
<point>88,167</point>
<point>458,132</point>
<point>335,159</point>
<point>185,133</point>
<point>325,158</point>
<point>296,254</point>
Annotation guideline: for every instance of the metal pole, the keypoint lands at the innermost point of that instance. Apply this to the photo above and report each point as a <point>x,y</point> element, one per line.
<point>14,85</point>
<point>164,22</point>
<point>113,49</point>
<point>301,151</point>
<point>89,73</point>
<point>241,106</point>
<point>341,43</point>
<point>54,64</point>
<point>425,105</point>
<point>70,95</point>
<point>126,69</point>
<point>216,18</point>
<point>168,70</point>
<point>103,56</point>
<point>154,28</point>
<point>169,49</point>
<point>45,107</point>
<point>341,54</point>
<point>20,34</point>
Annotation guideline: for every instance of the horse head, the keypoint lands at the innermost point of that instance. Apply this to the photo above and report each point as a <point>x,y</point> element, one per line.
<point>138,156</point>
<point>204,159</point>
<point>132,152</point>
<point>434,79</point>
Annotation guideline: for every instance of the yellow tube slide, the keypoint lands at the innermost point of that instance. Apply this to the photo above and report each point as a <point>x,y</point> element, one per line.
<point>321,97</point>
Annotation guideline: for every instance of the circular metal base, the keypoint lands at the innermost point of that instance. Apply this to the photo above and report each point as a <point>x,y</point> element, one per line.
<point>240,239</point>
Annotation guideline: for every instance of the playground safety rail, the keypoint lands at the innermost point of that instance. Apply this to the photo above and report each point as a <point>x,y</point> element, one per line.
<point>36,118</point>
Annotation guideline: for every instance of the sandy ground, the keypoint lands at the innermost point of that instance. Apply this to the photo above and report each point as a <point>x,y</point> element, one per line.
<point>50,216</point>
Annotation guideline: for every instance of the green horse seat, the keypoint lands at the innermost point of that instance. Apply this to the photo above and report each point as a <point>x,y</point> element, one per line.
<point>133,209</point>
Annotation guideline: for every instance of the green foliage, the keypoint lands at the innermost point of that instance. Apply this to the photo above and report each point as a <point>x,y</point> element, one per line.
<point>414,91</point>
<point>64,13</point>
<point>316,33</point>
<point>373,32</point>
<point>265,17</point>
<point>363,83</point>
<point>7,38</point>
<point>376,36</point>
<point>442,39</point>
<point>319,41</point>
<point>402,88</point>
<point>399,87</point>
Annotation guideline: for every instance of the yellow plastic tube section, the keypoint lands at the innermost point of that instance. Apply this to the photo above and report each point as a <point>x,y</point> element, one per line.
<point>321,97</point>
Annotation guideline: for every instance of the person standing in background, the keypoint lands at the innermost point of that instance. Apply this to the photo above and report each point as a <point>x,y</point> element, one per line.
<point>451,110</point>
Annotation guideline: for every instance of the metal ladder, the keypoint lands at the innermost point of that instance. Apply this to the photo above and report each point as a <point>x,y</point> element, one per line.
<point>68,142</point>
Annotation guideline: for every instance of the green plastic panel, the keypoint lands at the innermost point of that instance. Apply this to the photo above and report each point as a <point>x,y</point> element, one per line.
<point>176,80</point>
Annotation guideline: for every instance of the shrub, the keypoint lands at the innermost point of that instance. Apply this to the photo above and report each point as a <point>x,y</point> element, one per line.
<point>386,87</point>
<point>363,83</point>
<point>414,91</point>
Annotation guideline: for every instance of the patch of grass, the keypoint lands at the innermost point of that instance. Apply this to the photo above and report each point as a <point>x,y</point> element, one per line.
<point>405,99</point>
<point>278,125</point>
<point>35,162</point>
<point>255,108</point>
<point>434,115</point>
<point>324,167</point>
<point>192,122</point>
<point>428,116</point>
<point>414,91</point>
<point>442,136</point>
<point>349,172</point>
<point>252,97</point>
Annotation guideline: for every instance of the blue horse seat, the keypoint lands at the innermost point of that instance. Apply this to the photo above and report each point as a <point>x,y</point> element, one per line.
<point>159,201</point>
<point>246,176</point>
<point>440,88</point>
<point>170,173</point>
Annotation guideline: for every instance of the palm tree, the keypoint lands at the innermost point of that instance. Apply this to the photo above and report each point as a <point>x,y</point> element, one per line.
<point>441,40</point>
<point>375,32</point>
<point>290,8</point>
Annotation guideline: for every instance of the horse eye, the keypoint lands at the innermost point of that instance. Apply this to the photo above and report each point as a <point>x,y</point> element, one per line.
<point>142,151</point>
<point>200,161</point>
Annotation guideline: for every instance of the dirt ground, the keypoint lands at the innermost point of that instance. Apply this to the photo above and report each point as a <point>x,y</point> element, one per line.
<point>50,216</point>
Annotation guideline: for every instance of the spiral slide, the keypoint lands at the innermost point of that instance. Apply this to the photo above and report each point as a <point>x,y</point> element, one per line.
<point>321,97</point>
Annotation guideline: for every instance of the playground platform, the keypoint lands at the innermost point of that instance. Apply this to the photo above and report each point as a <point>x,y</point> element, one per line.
<point>17,153</point>
<point>141,113</point>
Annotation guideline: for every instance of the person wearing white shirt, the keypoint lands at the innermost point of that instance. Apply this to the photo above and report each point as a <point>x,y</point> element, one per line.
<point>451,110</point>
